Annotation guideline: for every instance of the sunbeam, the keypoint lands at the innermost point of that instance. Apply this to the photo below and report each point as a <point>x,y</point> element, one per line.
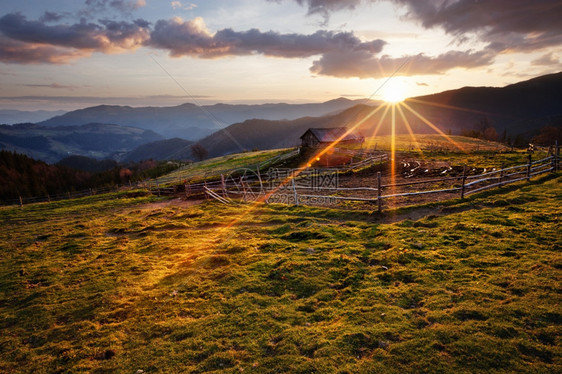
<point>409,128</point>
<point>437,129</point>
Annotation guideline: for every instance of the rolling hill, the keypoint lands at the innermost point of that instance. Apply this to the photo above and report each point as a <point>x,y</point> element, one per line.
<point>188,121</point>
<point>518,108</point>
<point>167,149</point>
<point>52,144</point>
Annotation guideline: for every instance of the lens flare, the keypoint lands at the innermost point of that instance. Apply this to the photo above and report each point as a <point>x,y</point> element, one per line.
<point>394,92</point>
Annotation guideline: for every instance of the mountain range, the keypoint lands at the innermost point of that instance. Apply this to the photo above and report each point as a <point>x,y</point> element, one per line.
<point>11,117</point>
<point>52,144</point>
<point>192,122</point>
<point>521,108</point>
<point>132,134</point>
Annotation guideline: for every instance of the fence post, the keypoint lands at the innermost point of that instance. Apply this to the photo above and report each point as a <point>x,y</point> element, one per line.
<point>556,155</point>
<point>463,181</point>
<point>223,186</point>
<point>501,173</point>
<point>158,186</point>
<point>529,168</point>
<point>295,191</point>
<point>379,192</point>
<point>21,203</point>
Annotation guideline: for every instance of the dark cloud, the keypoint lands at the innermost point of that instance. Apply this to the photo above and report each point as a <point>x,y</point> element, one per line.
<point>13,51</point>
<point>191,38</point>
<point>507,25</point>
<point>32,38</point>
<point>365,65</point>
<point>325,7</point>
<point>51,17</point>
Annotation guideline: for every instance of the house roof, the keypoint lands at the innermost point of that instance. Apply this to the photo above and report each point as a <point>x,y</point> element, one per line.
<point>325,135</point>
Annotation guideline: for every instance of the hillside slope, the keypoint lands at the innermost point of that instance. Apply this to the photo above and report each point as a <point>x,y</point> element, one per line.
<point>519,108</point>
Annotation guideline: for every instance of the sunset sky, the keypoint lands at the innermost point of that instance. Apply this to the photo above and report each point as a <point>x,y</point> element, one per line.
<point>69,54</point>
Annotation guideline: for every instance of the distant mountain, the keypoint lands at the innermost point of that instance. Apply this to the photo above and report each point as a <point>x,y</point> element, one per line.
<point>168,149</point>
<point>519,109</point>
<point>10,117</point>
<point>516,108</point>
<point>188,121</point>
<point>264,134</point>
<point>52,144</point>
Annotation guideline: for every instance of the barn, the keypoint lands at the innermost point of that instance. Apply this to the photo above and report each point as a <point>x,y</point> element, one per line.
<point>319,137</point>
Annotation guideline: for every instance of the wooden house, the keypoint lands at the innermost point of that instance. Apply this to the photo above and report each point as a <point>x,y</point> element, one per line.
<point>320,137</point>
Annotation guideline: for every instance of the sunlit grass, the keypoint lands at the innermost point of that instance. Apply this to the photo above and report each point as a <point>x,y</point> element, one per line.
<point>214,166</point>
<point>120,284</point>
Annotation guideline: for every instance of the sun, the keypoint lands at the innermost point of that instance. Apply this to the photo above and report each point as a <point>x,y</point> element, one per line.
<point>394,91</point>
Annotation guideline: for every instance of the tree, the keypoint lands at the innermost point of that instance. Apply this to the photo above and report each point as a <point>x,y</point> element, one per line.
<point>199,151</point>
<point>490,133</point>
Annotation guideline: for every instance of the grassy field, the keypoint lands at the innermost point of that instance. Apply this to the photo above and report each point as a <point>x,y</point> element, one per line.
<point>133,284</point>
<point>213,167</point>
<point>455,143</point>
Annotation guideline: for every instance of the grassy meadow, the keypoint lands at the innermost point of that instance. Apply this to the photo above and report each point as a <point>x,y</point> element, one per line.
<point>137,284</point>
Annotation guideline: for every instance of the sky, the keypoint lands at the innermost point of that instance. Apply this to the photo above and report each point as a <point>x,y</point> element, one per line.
<point>70,54</point>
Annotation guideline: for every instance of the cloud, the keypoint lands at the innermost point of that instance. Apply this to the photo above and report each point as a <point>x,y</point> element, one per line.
<point>506,25</point>
<point>63,42</point>
<point>365,65</point>
<point>13,51</point>
<point>179,5</point>
<point>422,84</point>
<point>192,38</point>
<point>325,7</point>
<point>51,17</point>
<point>123,6</point>
<point>338,54</point>
<point>546,60</point>
<point>52,85</point>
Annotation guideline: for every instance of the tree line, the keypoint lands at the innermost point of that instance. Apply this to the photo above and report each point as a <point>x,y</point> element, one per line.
<point>23,176</point>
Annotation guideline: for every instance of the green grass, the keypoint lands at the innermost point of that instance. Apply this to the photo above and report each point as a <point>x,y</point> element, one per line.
<point>213,167</point>
<point>111,284</point>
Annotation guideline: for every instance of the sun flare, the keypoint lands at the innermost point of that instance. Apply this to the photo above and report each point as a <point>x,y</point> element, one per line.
<point>394,92</point>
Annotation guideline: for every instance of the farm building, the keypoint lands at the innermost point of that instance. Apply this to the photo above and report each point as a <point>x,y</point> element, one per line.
<point>344,146</point>
<point>318,137</point>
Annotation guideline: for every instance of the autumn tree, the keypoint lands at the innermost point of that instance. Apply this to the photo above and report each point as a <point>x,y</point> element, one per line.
<point>199,151</point>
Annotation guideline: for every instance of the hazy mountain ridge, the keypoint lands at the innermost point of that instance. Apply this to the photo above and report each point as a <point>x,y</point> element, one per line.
<point>51,144</point>
<point>11,116</point>
<point>265,134</point>
<point>188,121</point>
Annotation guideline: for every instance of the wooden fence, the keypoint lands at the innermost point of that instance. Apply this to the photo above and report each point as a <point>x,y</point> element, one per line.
<point>293,191</point>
